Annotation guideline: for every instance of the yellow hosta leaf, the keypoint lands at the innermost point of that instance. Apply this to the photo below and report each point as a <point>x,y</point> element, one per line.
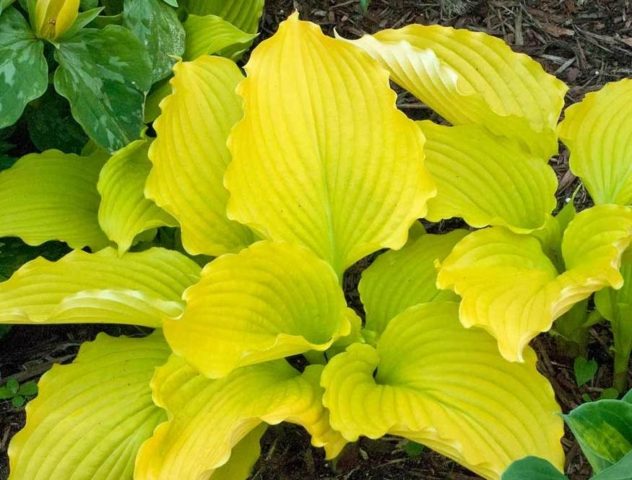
<point>189,155</point>
<point>52,18</point>
<point>507,92</point>
<point>436,383</point>
<point>207,418</point>
<point>244,14</point>
<point>322,157</point>
<point>481,178</point>
<point>512,289</point>
<point>52,196</point>
<point>270,301</point>
<point>91,417</point>
<point>598,132</point>
<point>243,457</point>
<point>124,211</point>
<point>212,34</point>
<point>403,278</point>
<point>135,288</point>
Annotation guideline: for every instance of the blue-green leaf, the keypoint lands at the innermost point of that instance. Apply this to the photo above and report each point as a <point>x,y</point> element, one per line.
<point>532,468</point>
<point>156,25</point>
<point>23,69</point>
<point>105,75</point>
<point>622,470</point>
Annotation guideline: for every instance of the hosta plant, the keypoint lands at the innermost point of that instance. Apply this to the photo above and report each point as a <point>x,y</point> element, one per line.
<point>280,181</point>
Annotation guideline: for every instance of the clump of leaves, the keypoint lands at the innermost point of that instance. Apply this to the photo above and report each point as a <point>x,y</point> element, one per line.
<point>17,393</point>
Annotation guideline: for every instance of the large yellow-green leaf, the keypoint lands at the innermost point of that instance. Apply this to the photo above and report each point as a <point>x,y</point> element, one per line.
<point>52,196</point>
<point>481,178</point>
<point>124,211</point>
<point>212,34</point>
<point>207,418</point>
<point>598,132</point>
<point>91,417</point>
<point>135,288</point>
<point>403,278</point>
<point>512,289</point>
<point>473,78</point>
<point>244,14</point>
<point>189,155</point>
<point>322,157</point>
<point>434,382</point>
<point>270,301</point>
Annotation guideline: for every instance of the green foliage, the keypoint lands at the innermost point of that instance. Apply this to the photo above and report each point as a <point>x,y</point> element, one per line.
<point>18,394</point>
<point>585,370</point>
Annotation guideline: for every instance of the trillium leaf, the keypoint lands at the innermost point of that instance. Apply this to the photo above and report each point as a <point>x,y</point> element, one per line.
<point>403,278</point>
<point>507,92</point>
<point>481,178</point>
<point>532,468</point>
<point>124,211</point>
<point>191,146</point>
<point>52,196</point>
<point>105,75</point>
<point>157,26</point>
<point>211,34</point>
<point>207,418</point>
<point>23,68</point>
<point>90,418</point>
<point>512,289</point>
<point>603,430</point>
<point>598,132</point>
<point>268,302</point>
<point>244,14</point>
<point>318,113</point>
<point>434,382</point>
<point>136,288</point>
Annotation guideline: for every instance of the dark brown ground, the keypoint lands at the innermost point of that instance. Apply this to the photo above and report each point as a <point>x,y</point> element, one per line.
<point>584,43</point>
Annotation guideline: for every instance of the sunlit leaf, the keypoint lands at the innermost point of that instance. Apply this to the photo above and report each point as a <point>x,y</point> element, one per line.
<point>191,146</point>
<point>598,132</point>
<point>507,92</point>
<point>268,302</point>
<point>52,196</point>
<point>212,34</point>
<point>136,288</point>
<point>434,382</point>
<point>207,418</point>
<point>244,14</point>
<point>124,211</point>
<point>90,417</point>
<point>332,163</point>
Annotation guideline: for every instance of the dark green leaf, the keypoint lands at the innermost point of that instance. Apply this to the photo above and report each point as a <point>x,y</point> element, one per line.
<point>105,75</point>
<point>14,253</point>
<point>622,470</point>
<point>51,125</point>
<point>83,19</point>
<point>12,386</point>
<point>628,397</point>
<point>157,26</point>
<point>609,394</point>
<point>532,468</point>
<point>4,4</point>
<point>5,394</point>
<point>28,389</point>
<point>603,430</point>
<point>585,370</point>
<point>88,4</point>
<point>4,329</point>
<point>413,449</point>
<point>18,401</point>
<point>23,69</point>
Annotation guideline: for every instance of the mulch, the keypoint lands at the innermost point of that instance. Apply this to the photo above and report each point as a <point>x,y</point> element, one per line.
<point>585,43</point>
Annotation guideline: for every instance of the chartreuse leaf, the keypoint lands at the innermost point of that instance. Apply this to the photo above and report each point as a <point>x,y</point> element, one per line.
<point>207,418</point>
<point>317,113</point>
<point>512,289</point>
<point>603,430</point>
<point>438,384</point>
<point>243,457</point>
<point>91,416</point>
<point>124,211</point>
<point>52,196</point>
<point>212,34</point>
<point>270,301</point>
<point>507,92</point>
<point>481,178</point>
<point>191,146</point>
<point>156,24</point>
<point>598,132</point>
<point>244,14</point>
<point>105,75</point>
<point>136,288</point>
<point>532,468</point>
<point>23,68</point>
<point>399,279</point>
